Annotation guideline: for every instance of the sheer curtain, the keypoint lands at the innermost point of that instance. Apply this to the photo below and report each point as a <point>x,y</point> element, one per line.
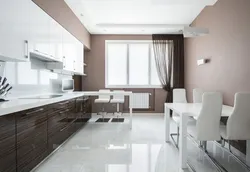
<point>169,58</point>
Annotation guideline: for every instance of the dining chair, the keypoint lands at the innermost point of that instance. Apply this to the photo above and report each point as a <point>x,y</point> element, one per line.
<point>207,126</point>
<point>238,123</point>
<point>179,96</point>
<point>118,99</point>
<point>103,99</point>
<point>197,95</point>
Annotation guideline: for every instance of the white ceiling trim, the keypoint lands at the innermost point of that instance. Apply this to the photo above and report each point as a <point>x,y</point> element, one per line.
<point>137,16</point>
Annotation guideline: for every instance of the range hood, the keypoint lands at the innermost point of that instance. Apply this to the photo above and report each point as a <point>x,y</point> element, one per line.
<point>190,32</point>
<point>43,57</point>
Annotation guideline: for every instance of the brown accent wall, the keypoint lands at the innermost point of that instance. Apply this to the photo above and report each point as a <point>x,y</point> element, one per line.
<point>95,69</point>
<point>228,47</point>
<point>61,12</point>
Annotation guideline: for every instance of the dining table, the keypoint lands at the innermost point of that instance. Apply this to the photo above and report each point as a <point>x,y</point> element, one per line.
<point>185,111</point>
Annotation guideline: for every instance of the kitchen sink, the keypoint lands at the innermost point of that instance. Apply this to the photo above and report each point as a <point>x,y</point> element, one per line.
<point>50,96</point>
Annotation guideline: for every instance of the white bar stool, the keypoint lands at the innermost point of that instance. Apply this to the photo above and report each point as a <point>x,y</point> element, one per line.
<point>118,99</point>
<point>103,99</point>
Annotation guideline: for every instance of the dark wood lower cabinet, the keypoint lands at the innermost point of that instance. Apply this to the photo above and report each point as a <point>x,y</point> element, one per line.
<point>28,137</point>
<point>31,138</point>
<point>7,143</point>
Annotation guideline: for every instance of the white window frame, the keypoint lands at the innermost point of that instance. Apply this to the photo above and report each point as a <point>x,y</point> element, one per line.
<point>106,64</point>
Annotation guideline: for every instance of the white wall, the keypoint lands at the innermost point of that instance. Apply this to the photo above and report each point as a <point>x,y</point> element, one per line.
<point>29,77</point>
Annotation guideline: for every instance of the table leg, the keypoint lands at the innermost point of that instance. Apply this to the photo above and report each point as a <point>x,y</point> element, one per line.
<point>167,122</point>
<point>130,117</point>
<point>248,153</point>
<point>130,111</point>
<point>183,141</point>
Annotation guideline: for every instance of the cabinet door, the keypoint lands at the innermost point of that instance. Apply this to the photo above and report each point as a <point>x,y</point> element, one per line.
<point>31,136</point>
<point>79,62</point>
<point>83,109</point>
<point>69,51</point>
<point>60,119</point>
<point>71,128</point>
<point>39,31</point>
<point>7,143</point>
<point>56,47</point>
<point>14,29</point>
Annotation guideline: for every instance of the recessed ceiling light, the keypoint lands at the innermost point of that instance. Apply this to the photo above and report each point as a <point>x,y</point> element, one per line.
<point>104,30</point>
<point>142,30</point>
<point>82,14</point>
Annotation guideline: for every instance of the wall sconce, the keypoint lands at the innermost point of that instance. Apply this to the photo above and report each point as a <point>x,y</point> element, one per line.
<point>202,61</point>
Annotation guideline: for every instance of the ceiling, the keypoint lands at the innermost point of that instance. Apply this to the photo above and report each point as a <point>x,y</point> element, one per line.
<point>137,16</point>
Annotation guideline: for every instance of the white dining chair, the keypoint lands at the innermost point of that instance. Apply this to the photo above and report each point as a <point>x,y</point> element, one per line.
<point>103,99</point>
<point>197,95</point>
<point>238,123</point>
<point>179,96</point>
<point>118,99</point>
<point>207,126</point>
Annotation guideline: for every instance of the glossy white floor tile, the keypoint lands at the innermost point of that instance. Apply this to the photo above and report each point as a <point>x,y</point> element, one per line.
<point>110,147</point>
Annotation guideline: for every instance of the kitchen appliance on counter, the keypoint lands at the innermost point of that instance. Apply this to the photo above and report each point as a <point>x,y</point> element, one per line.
<point>4,88</point>
<point>62,85</point>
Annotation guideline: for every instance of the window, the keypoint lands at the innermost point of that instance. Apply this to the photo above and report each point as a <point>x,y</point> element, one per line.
<point>130,64</point>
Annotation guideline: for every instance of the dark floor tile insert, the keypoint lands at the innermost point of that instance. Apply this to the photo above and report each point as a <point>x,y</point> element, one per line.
<point>103,120</point>
<point>117,120</point>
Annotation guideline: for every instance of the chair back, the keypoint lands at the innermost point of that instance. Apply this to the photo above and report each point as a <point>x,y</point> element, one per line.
<point>104,96</point>
<point>197,95</point>
<point>179,95</point>
<point>238,124</point>
<point>208,122</point>
<point>118,96</point>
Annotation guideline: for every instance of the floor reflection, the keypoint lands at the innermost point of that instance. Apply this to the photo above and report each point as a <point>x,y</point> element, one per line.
<point>115,148</point>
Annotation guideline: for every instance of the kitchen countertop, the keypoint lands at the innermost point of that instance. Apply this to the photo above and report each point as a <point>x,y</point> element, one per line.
<point>15,105</point>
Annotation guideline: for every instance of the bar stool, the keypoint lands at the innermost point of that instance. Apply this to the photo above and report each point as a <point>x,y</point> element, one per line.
<point>103,99</point>
<point>118,99</point>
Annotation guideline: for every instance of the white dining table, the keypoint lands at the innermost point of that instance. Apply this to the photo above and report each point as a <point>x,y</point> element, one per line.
<point>186,110</point>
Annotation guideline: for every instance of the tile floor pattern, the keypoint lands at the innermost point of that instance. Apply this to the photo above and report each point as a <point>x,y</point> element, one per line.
<point>113,147</point>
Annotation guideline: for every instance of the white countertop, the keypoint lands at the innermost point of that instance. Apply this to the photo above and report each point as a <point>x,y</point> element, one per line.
<point>17,104</point>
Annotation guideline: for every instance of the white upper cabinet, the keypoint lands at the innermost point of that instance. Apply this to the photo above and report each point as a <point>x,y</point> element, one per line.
<point>56,40</point>
<point>79,62</point>
<point>26,31</point>
<point>14,30</point>
<point>39,40</point>
<point>69,51</point>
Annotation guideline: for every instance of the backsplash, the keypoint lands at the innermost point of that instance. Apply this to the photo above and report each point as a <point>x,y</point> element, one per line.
<point>29,78</point>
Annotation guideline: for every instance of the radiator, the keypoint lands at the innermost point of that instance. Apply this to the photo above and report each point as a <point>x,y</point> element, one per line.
<point>139,101</point>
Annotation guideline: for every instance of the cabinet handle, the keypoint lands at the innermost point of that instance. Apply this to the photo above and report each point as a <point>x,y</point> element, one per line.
<point>63,103</point>
<point>35,111</point>
<point>26,44</point>
<point>64,111</point>
<point>68,125</point>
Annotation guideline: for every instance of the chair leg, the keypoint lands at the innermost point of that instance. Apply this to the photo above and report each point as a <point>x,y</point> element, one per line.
<point>222,142</point>
<point>229,146</point>
<point>203,147</point>
<point>176,143</point>
<point>178,135</point>
<point>229,150</point>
